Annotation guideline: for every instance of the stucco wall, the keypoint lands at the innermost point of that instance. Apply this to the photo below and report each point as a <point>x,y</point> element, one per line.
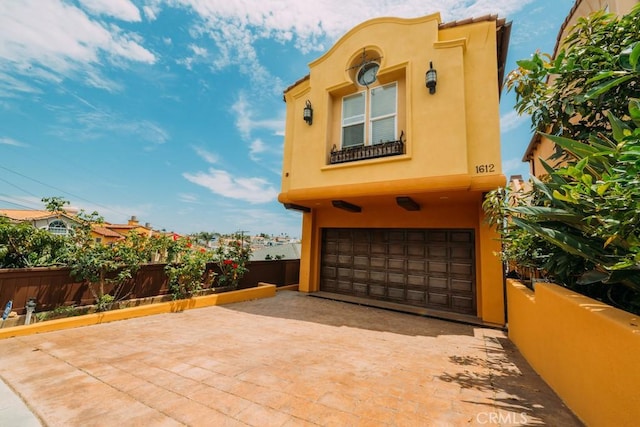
<point>585,350</point>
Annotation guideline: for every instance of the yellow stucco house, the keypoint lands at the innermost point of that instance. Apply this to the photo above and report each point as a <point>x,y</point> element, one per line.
<point>391,142</point>
<point>541,148</point>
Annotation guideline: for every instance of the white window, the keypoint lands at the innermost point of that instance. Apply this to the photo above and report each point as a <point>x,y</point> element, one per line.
<point>369,117</point>
<point>58,227</point>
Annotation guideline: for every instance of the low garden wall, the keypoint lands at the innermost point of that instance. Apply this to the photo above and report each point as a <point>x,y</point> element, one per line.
<point>54,286</point>
<point>587,351</point>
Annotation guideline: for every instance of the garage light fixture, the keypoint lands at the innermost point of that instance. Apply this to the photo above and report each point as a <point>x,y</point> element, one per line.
<point>407,203</point>
<point>349,207</point>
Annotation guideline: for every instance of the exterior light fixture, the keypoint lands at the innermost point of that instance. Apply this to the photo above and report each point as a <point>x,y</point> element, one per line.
<point>407,203</point>
<point>349,207</point>
<point>293,206</point>
<point>307,113</point>
<point>431,78</point>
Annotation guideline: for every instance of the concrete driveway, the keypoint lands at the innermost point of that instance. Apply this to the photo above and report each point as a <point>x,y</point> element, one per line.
<point>291,360</point>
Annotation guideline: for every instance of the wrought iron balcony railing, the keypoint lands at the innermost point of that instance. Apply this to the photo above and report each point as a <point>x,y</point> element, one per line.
<point>364,152</point>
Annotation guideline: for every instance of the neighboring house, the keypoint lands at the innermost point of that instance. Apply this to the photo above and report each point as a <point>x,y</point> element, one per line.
<point>104,235</point>
<point>132,225</point>
<point>391,142</point>
<point>541,148</point>
<point>56,223</point>
<point>286,251</point>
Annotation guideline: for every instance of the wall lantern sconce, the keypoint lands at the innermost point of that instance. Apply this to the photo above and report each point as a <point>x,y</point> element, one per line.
<point>307,113</point>
<point>431,78</point>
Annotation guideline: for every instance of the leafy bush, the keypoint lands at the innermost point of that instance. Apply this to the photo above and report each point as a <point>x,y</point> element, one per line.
<point>188,276</point>
<point>578,226</point>
<point>232,260</point>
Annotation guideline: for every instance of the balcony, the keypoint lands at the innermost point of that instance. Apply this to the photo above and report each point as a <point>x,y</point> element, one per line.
<point>364,152</point>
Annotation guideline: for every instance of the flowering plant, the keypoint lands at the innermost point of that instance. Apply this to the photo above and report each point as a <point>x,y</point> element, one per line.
<point>232,259</point>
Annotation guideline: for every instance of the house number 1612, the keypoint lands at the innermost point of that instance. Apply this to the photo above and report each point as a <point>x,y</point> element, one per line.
<point>490,167</point>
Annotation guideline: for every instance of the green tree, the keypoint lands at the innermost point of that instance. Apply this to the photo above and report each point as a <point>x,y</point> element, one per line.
<point>579,226</point>
<point>55,204</point>
<point>23,245</point>
<point>105,269</point>
<point>595,72</point>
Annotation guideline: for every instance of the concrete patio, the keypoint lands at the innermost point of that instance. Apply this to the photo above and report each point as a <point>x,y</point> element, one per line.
<point>290,360</point>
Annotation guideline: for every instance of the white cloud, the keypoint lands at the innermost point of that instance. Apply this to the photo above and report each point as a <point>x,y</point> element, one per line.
<point>188,198</point>
<point>252,190</point>
<point>512,120</point>
<point>246,123</point>
<point>311,25</point>
<point>13,142</point>
<point>91,125</point>
<point>514,166</point>
<point>54,40</point>
<point>256,147</point>
<point>206,155</point>
<point>120,9</point>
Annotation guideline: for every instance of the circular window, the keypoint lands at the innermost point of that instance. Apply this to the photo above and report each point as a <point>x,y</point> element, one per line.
<point>368,73</point>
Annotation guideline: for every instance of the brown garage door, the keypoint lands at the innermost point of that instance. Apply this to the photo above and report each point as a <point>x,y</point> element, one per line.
<point>430,268</point>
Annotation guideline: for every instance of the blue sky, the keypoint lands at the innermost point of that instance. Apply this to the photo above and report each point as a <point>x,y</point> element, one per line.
<point>171,110</point>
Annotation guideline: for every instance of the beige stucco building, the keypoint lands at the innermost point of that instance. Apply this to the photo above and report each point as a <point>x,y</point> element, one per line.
<point>541,148</point>
<point>391,142</point>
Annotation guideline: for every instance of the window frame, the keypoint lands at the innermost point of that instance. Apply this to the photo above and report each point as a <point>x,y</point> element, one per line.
<point>368,120</point>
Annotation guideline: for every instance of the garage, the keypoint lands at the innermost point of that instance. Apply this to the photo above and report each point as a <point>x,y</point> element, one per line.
<point>431,268</point>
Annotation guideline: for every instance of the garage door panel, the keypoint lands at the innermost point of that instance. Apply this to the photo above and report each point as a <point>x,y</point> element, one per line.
<point>416,266</point>
<point>436,236</point>
<point>329,272</point>
<point>461,285</point>
<point>345,260</point>
<point>345,286</point>
<point>378,248</point>
<point>461,237</point>
<point>461,252</point>
<point>395,279</point>
<point>420,267</point>
<point>440,299</point>
<point>361,262</point>
<point>345,273</point>
<point>435,252</point>
<point>416,281</point>
<point>464,270</point>
<point>377,276</point>
<point>438,282</point>
<point>377,290</point>
<point>396,249</point>
<point>397,294</point>
<point>360,289</point>
<point>416,297</point>
<point>361,275</point>
<point>437,267</point>
<point>396,264</point>
<point>415,251</point>
<point>463,303</point>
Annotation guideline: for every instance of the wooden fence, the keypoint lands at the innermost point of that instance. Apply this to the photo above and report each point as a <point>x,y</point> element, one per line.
<point>54,286</point>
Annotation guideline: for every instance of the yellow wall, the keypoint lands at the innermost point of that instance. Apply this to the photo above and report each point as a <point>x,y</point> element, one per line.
<point>447,133</point>
<point>585,350</point>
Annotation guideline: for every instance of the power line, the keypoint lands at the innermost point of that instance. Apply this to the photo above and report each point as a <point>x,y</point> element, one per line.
<point>61,190</point>
<point>19,188</point>
<point>13,203</point>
